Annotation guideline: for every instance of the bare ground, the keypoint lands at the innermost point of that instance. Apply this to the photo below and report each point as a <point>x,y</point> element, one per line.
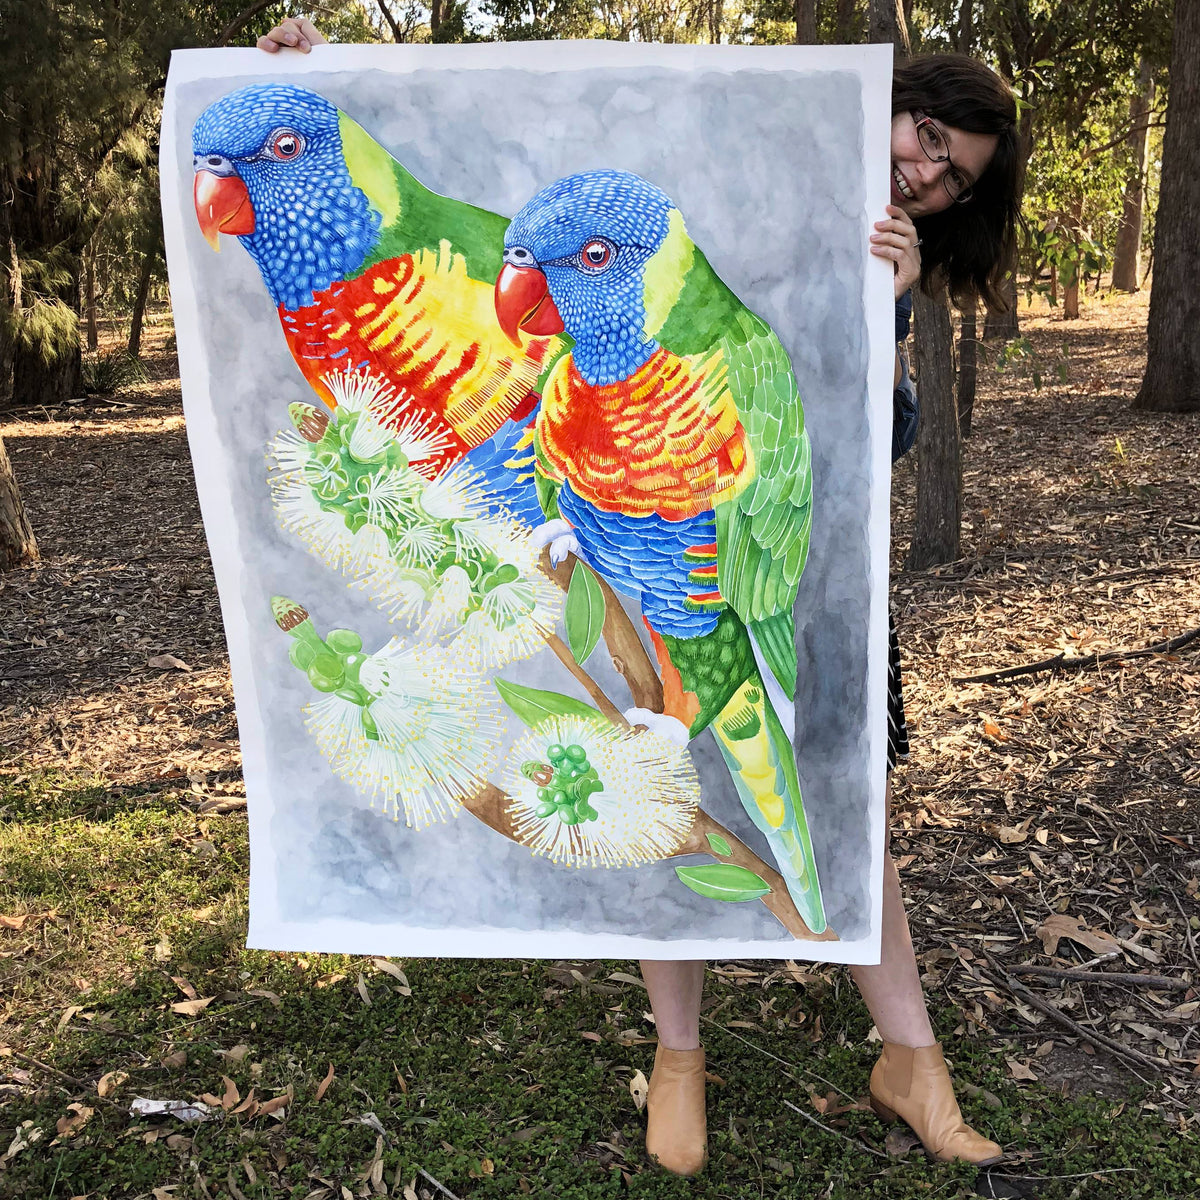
<point>1055,803</point>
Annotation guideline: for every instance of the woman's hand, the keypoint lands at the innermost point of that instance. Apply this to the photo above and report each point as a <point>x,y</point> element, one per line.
<point>896,238</point>
<point>296,33</point>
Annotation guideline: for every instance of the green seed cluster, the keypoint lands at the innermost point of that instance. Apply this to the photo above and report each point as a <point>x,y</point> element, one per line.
<point>575,781</point>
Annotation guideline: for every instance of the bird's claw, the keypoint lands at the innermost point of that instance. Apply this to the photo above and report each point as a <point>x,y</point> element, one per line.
<point>670,728</point>
<point>559,536</point>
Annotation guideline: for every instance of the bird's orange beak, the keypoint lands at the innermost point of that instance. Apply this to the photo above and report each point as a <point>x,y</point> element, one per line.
<point>523,301</point>
<point>222,206</point>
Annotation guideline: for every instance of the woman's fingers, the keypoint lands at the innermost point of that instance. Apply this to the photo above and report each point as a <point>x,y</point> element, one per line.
<point>903,240</point>
<point>292,32</point>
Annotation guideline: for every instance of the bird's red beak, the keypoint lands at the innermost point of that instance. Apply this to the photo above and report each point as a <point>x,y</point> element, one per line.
<point>222,206</point>
<point>523,302</point>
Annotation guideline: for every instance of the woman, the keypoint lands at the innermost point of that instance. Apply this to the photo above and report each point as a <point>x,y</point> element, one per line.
<point>955,194</point>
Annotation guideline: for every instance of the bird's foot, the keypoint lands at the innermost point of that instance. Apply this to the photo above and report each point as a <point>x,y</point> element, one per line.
<point>670,728</point>
<point>559,536</point>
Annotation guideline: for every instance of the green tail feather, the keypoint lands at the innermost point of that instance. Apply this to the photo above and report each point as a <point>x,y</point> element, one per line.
<point>763,767</point>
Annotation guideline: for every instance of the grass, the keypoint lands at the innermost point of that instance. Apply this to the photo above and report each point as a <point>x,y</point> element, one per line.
<point>497,1078</point>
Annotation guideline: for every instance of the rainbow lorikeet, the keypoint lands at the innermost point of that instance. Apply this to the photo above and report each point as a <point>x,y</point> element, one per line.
<point>671,447</point>
<point>373,272</point>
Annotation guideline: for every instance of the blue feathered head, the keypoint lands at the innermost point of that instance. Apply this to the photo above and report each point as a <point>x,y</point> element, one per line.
<point>592,235</point>
<point>270,168</point>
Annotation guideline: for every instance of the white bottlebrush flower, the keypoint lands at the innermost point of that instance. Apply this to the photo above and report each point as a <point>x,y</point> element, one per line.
<point>454,495</point>
<point>389,495</point>
<point>448,604</point>
<point>437,726</point>
<point>289,451</point>
<point>356,391</point>
<point>368,438</point>
<point>643,814</point>
<point>418,435</point>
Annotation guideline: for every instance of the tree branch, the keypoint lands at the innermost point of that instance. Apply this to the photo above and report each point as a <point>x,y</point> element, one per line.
<point>241,21</point>
<point>629,656</point>
<point>397,32</point>
<point>1060,662</point>
<point>778,899</point>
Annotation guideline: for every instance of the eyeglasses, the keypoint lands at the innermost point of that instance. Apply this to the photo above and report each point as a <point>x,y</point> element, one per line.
<point>933,142</point>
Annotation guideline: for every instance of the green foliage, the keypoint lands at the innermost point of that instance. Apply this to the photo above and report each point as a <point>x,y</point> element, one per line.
<point>1020,354</point>
<point>718,845</point>
<point>584,612</point>
<point>111,371</point>
<point>533,706</point>
<point>724,881</point>
<point>467,1060</point>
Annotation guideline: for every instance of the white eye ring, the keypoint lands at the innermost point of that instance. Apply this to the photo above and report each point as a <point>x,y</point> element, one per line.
<point>597,255</point>
<point>284,145</point>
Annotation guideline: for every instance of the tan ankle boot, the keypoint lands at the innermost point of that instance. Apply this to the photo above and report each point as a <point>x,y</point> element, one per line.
<point>676,1130</point>
<point>913,1085</point>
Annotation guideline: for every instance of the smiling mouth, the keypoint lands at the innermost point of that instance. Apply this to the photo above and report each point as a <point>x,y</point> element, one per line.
<point>902,184</point>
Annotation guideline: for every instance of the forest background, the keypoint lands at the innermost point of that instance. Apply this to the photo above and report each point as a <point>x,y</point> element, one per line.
<point>1046,554</point>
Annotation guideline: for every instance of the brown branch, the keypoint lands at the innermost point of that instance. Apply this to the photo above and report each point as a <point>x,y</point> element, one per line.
<point>397,32</point>
<point>629,656</point>
<point>490,805</point>
<point>563,652</point>
<point>1161,983</point>
<point>241,21</point>
<point>778,900</point>
<point>1060,662</point>
<point>1000,976</point>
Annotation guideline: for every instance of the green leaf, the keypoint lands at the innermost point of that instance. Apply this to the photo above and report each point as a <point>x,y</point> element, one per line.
<point>585,612</point>
<point>724,881</point>
<point>719,845</point>
<point>534,706</point>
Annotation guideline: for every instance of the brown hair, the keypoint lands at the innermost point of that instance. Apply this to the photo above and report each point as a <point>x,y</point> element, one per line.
<point>967,246</point>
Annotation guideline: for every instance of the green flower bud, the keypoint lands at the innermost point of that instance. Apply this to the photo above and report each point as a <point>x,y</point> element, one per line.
<point>343,641</point>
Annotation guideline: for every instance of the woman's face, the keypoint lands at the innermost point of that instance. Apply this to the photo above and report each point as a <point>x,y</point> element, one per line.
<point>917,185</point>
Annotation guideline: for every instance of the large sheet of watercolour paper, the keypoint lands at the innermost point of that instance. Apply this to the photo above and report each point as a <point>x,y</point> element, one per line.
<point>539,403</point>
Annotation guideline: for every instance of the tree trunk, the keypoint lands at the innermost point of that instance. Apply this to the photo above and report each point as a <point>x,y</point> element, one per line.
<point>36,381</point>
<point>139,304</point>
<point>1129,233</point>
<point>9,286</point>
<point>806,22</point>
<point>849,22</point>
<point>716,21</point>
<point>939,449</point>
<point>968,368</point>
<point>1071,297</point>
<point>1172,379</point>
<point>17,543</point>
<point>89,300</point>
<point>885,23</point>
<point>966,27</point>
<point>1005,324</point>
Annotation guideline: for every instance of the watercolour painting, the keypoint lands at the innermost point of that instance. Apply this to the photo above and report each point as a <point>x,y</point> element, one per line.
<point>538,399</point>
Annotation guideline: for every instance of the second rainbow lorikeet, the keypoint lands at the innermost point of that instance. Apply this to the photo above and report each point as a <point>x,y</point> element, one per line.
<point>373,272</point>
<point>671,448</point>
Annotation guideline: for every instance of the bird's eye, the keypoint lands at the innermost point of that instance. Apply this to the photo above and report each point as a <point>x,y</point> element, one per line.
<point>286,145</point>
<point>596,255</point>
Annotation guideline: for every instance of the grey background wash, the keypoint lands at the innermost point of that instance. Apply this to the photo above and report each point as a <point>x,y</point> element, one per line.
<point>766,168</point>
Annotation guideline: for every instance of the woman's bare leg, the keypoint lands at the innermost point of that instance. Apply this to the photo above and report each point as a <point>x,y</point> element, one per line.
<point>892,989</point>
<point>675,989</point>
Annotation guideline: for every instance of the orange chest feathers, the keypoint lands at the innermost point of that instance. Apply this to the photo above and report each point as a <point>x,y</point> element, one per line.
<point>422,324</point>
<point>667,440</point>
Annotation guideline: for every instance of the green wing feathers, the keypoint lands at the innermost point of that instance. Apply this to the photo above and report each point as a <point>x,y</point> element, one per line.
<point>763,533</point>
<point>428,219</point>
